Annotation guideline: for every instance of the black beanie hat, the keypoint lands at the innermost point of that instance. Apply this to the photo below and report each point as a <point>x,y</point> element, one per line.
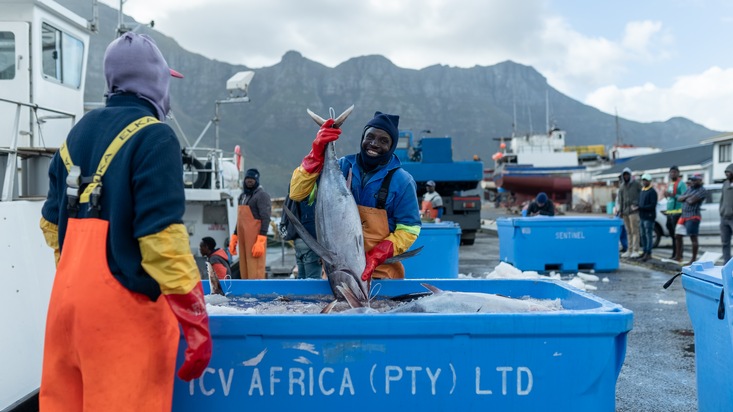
<point>389,123</point>
<point>253,173</point>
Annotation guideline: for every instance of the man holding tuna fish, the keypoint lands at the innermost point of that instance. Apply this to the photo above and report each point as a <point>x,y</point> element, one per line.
<point>385,194</point>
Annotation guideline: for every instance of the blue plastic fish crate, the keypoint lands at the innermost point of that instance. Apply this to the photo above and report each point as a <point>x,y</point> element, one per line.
<point>550,361</point>
<point>559,243</point>
<point>439,256</point>
<point>703,284</point>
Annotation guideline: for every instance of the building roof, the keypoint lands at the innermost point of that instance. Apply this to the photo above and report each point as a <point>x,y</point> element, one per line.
<point>698,155</point>
<point>718,138</point>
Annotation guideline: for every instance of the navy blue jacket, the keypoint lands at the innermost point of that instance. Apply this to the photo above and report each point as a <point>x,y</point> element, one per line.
<point>648,204</point>
<point>142,190</point>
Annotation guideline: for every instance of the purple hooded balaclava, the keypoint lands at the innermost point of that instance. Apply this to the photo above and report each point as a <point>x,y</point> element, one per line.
<point>133,64</point>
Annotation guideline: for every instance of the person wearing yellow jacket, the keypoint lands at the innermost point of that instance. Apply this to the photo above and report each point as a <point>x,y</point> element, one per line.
<point>114,219</point>
<point>250,233</point>
<point>385,193</point>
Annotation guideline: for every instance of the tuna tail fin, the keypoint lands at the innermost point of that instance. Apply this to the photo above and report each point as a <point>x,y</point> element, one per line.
<point>403,256</point>
<point>336,123</point>
<point>325,254</point>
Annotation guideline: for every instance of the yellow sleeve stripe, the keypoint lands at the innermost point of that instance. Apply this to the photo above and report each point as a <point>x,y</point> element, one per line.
<point>167,258</point>
<point>51,234</point>
<point>415,230</point>
<point>402,240</point>
<point>302,183</point>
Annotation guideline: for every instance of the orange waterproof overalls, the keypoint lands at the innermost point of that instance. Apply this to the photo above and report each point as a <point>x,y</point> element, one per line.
<point>106,348</point>
<point>248,228</point>
<point>427,209</point>
<point>375,227</point>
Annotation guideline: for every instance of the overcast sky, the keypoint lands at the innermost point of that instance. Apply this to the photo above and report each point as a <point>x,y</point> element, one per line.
<point>648,60</point>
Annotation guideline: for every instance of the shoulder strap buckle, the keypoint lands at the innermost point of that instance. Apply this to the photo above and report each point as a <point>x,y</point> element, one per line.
<point>95,205</point>
<point>73,184</point>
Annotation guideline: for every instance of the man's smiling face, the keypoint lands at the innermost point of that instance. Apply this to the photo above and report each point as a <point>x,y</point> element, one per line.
<point>376,142</point>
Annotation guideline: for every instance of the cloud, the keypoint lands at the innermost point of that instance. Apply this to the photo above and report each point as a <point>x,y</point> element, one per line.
<point>411,33</point>
<point>704,97</point>
<point>576,63</point>
<point>600,67</point>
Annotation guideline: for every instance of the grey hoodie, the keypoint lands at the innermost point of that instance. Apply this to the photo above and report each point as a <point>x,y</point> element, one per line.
<point>628,195</point>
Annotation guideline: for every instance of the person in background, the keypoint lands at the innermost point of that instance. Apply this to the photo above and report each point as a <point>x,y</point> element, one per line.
<point>253,220</point>
<point>308,262</point>
<point>111,341</point>
<point>623,237</point>
<point>675,189</point>
<point>541,205</point>
<point>432,203</point>
<point>628,204</point>
<point>692,201</point>
<point>647,215</point>
<point>726,212</point>
<point>217,257</point>
<point>389,229</point>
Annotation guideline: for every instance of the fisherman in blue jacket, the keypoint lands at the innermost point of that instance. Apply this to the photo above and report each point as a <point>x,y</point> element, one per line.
<point>390,221</point>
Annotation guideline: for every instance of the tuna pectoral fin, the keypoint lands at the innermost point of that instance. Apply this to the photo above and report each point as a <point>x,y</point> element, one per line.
<point>410,296</point>
<point>309,240</point>
<point>403,256</point>
<point>349,296</point>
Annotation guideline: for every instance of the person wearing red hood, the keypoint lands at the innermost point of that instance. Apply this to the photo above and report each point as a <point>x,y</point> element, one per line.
<point>113,217</point>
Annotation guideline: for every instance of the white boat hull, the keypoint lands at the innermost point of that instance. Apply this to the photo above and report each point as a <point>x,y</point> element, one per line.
<point>27,269</point>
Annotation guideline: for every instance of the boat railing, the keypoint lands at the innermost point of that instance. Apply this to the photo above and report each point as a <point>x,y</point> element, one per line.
<point>34,172</point>
<point>209,169</point>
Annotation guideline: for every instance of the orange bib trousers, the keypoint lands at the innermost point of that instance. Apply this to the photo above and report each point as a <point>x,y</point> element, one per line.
<point>106,349</point>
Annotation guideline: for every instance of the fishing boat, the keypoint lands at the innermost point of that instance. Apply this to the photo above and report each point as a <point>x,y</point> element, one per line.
<point>536,163</point>
<point>44,49</point>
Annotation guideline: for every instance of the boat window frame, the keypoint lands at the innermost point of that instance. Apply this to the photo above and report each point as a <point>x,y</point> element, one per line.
<point>65,62</point>
<point>11,53</point>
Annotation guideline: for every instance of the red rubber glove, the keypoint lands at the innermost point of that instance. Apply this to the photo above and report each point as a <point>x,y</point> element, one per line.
<point>190,310</point>
<point>233,244</point>
<point>313,162</point>
<point>376,256</point>
<point>258,249</point>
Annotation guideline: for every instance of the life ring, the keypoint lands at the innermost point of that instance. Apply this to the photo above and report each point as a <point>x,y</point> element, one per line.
<point>193,166</point>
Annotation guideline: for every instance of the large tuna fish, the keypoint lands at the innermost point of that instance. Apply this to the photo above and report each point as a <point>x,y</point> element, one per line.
<point>340,241</point>
<point>440,301</point>
<point>338,225</point>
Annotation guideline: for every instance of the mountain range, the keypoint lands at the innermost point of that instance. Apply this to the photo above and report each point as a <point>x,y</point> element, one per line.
<point>474,106</point>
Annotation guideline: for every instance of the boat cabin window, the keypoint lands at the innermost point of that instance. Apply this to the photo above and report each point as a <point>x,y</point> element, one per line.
<point>62,56</point>
<point>7,55</point>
